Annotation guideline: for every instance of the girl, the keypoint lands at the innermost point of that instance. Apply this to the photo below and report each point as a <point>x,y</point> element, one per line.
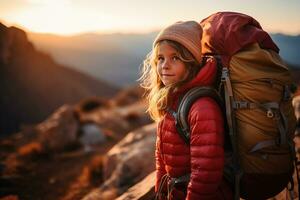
<point>172,68</point>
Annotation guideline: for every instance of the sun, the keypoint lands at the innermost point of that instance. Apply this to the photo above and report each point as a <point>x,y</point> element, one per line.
<point>61,17</point>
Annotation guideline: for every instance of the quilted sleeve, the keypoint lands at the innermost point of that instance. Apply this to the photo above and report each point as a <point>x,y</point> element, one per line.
<point>160,167</point>
<point>206,146</point>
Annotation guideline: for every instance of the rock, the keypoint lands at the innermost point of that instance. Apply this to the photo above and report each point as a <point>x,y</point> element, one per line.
<point>12,39</point>
<point>133,158</point>
<point>59,130</point>
<point>144,190</point>
<point>91,104</point>
<point>91,135</point>
<point>101,195</point>
<point>296,104</point>
<point>127,162</point>
<point>285,194</point>
<point>128,96</point>
<point>10,197</point>
<point>30,149</point>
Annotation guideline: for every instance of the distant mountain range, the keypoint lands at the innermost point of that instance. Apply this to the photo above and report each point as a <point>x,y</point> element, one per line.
<point>289,48</point>
<point>33,85</point>
<point>116,58</point>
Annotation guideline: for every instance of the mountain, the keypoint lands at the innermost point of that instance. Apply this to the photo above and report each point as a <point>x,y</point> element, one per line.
<point>116,58</point>
<point>33,85</point>
<point>289,47</point>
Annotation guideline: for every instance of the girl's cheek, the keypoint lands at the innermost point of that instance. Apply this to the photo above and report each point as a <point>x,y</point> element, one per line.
<point>158,69</point>
<point>158,74</point>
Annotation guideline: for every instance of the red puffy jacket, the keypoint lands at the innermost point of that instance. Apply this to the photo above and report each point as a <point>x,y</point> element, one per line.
<point>204,158</point>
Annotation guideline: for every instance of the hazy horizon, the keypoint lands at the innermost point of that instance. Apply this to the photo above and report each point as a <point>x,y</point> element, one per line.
<point>108,33</point>
<point>103,55</point>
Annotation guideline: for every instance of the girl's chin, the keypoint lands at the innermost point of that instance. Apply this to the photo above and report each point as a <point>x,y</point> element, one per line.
<point>167,83</point>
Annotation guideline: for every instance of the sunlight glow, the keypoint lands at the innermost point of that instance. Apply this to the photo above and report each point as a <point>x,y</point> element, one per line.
<point>60,17</point>
<point>69,17</point>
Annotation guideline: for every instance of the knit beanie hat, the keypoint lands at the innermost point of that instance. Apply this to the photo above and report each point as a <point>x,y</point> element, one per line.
<point>188,34</point>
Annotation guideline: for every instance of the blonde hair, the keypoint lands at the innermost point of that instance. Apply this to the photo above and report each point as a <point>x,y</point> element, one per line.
<point>157,94</point>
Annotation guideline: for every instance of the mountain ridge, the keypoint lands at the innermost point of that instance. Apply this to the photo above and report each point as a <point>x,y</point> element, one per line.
<point>33,85</point>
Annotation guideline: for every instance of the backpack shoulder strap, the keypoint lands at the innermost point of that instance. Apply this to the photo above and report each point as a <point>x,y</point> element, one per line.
<point>181,116</point>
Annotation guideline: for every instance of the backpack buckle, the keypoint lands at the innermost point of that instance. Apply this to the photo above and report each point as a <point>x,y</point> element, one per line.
<point>224,74</point>
<point>240,104</point>
<point>270,113</point>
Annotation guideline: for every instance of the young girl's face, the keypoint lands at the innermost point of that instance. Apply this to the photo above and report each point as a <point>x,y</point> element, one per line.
<point>170,68</point>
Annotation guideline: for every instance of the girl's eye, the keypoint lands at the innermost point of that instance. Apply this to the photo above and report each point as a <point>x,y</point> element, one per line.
<point>175,58</point>
<point>160,59</point>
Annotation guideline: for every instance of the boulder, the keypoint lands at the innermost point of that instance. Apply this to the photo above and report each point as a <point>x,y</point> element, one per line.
<point>144,190</point>
<point>126,163</point>
<point>10,197</point>
<point>91,135</point>
<point>133,158</point>
<point>296,104</point>
<point>59,130</point>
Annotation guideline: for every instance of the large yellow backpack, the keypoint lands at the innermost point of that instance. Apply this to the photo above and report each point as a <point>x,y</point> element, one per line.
<point>254,88</point>
<point>262,120</point>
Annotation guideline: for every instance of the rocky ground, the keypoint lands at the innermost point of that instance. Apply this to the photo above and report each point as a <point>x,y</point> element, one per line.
<point>64,156</point>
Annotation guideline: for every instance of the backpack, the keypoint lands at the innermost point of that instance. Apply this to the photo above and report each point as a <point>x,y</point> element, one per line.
<point>254,90</point>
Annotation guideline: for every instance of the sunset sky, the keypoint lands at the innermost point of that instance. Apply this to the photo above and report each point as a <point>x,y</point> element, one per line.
<point>69,17</point>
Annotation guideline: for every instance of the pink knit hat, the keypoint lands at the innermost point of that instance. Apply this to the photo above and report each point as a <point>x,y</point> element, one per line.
<point>188,34</point>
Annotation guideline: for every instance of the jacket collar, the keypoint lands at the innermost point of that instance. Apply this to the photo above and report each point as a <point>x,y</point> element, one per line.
<point>205,77</point>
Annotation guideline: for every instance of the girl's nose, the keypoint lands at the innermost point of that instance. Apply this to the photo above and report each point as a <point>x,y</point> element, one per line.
<point>166,65</point>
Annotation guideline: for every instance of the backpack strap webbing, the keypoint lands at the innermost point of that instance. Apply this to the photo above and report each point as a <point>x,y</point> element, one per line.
<point>181,121</point>
<point>228,93</point>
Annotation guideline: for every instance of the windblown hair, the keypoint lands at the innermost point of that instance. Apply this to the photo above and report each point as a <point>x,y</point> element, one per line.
<point>157,94</point>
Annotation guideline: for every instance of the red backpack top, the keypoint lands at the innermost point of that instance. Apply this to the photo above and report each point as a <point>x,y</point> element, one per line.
<point>226,33</point>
